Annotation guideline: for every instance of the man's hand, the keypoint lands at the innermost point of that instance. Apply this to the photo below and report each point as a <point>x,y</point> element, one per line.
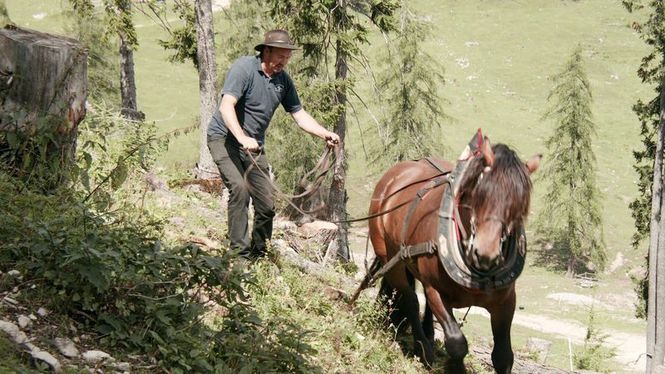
<point>249,144</point>
<point>332,139</point>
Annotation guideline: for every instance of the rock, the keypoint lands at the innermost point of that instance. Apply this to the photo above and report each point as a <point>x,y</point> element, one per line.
<point>14,332</point>
<point>206,242</point>
<point>94,356</point>
<point>43,312</point>
<point>10,301</point>
<point>290,255</point>
<point>46,357</point>
<point>24,321</point>
<point>14,273</point>
<point>334,294</point>
<point>122,366</point>
<point>315,228</point>
<point>284,225</point>
<point>66,347</point>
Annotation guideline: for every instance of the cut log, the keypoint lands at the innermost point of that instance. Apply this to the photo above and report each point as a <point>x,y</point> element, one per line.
<point>43,74</point>
<point>43,88</point>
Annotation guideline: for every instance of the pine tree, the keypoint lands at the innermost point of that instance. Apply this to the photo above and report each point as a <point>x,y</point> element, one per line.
<point>87,25</point>
<point>648,207</point>
<point>410,83</point>
<point>118,22</point>
<point>571,215</point>
<point>331,33</point>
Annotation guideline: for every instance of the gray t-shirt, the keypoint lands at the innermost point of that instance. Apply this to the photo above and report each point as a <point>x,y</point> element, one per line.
<point>258,97</point>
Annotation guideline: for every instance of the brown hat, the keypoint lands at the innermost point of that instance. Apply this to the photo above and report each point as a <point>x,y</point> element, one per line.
<point>277,39</point>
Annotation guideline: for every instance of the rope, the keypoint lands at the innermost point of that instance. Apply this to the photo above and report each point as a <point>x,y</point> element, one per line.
<point>461,324</point>
<point>323,164</point>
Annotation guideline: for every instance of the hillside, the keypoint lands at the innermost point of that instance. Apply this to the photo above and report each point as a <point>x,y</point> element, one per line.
<point>497,58</point>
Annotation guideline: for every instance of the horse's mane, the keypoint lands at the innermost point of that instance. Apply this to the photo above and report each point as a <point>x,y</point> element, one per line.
<point>505,188</point>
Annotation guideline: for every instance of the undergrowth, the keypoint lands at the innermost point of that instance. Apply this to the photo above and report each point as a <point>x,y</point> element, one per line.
<point>93,249</point>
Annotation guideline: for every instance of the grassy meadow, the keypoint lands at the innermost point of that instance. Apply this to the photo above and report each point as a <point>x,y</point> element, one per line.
<point>498,57</point>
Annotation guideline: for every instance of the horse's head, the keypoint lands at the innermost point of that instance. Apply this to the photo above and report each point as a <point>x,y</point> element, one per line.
<point>494,194</point>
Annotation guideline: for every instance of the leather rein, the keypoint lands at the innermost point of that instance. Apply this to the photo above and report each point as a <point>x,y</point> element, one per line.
<point>320,170</point>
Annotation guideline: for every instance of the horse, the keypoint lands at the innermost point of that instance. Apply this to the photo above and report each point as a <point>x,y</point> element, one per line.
<point>489,200</point>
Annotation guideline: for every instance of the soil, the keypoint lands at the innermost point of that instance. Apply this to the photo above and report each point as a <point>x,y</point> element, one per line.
<point>630,348</point>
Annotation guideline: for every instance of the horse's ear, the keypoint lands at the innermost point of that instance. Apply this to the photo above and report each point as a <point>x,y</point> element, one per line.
<point>533,163</point>
<point>486,150</point>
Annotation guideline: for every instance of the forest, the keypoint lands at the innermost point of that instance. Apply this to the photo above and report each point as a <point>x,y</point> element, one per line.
<point>113,247</point>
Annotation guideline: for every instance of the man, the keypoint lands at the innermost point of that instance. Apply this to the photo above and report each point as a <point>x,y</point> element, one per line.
<point>253,88</point>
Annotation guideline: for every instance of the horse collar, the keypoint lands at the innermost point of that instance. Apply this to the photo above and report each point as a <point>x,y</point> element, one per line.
<point>451,247</point>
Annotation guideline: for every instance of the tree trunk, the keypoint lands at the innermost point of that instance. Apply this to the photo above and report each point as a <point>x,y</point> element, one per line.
<point>572,263</point>
<point>207,77</point>
<point>127,78</point>
<point>42,76</point>
<point>337,196</point>
<point>656,308</point>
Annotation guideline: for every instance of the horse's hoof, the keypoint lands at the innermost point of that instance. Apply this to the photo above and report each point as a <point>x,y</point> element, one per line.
<point>455,367</point>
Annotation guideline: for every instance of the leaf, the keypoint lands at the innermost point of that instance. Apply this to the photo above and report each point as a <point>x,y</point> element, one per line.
<point>12,139</point>
<point>119,174</point>
<point>157,338</point>
<point>94,275</point>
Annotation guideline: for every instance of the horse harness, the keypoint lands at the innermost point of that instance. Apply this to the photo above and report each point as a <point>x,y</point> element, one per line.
<point>449,247</point>
<point>450,244</point>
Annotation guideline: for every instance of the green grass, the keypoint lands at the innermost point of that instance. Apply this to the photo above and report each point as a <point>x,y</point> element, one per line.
<point>11,360</point>
<point>497,57</point>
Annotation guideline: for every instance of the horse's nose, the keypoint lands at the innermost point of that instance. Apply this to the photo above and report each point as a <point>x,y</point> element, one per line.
<point>483,262</point>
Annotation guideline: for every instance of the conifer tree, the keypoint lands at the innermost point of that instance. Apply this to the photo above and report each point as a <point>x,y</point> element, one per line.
<point>648,207</point>
<point>410,88</point>
<point>88,26</point>
<point>331,33</point>
<point>118,21</point>
<point>571,215</point>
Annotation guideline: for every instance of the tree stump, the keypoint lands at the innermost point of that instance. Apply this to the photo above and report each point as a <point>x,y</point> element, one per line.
<point>43,89</point>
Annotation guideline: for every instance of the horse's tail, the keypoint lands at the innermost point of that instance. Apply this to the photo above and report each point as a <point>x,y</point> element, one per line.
<point>367,280</point>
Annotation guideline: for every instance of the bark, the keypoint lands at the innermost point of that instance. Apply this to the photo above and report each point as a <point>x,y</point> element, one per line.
<point>127,77</point>
<point>43,75</point>
<point>656,307</point>
<point>337,196</point>
<point>207,77</point>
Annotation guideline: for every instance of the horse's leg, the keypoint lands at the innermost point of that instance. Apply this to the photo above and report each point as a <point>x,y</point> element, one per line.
<point>454,340</point>
<point>428,323</point>
<point>408,304</point>
<point>502,318</point>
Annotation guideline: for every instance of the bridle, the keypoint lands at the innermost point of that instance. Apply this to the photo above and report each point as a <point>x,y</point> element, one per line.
<point>455,243</point>
<point>467,240</point>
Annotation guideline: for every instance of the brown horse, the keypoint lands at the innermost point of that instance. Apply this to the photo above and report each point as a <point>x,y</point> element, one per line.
<point>490,201</point>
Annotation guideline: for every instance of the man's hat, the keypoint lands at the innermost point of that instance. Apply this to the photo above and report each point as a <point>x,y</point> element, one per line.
<point>277,39</point>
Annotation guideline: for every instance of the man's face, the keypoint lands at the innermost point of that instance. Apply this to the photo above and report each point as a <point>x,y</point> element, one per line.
<point>276,58</point>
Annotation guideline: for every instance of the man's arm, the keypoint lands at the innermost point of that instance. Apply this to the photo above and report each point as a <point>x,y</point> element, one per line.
<point>309,124</point>
<point>228,111</point>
